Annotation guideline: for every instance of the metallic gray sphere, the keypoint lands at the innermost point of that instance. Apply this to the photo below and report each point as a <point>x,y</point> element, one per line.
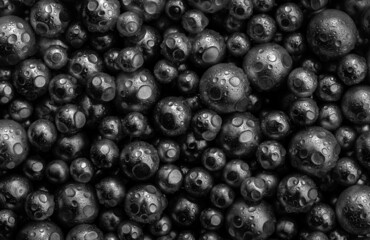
<point>356,104</point>
<point>240,135</point>
<point>17,40</point>
<point>267,66</point>
<point>331,34</point>
<point>225,88</point>
<point>314,151</point>
<point>250,221</point>
<point>353,209</point>
<point>14,146</point>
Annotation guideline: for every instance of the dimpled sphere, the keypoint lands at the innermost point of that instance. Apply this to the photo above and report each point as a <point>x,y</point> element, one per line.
<point>39,205</point>
<point>208,49</point>
<point>225,88</point>
<point>84,232</point>
<point>172,115</point>
<point>314,151</point>
<point>13,192</point>
<point>43,230</point>
<point>353,209</point>
<point>356,104</point>
<point>17,40</point>
<point>14,146</point>
<point>240,135</point>
<point>297,193</point>
<point>31,79</point>
<point>139,160</point>
<point>137,91</point>
<point>362,147</point>
<point>76,203</point>
<point>331,34</point>
<point>267,66</point>
<point>209,6</point>
<point>49,18</point>
<point>250,221</point>
<point>145,203</point>
<point>100,15</point>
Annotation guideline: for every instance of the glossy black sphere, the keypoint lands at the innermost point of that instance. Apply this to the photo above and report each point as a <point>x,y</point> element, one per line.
<point>304,111</point>
<point>329,88</point>
<point>213,159</point>
<point>168,150</point>
<point>174,9</point>
<point>20,110</point>
<point>176,47</point>
<point>314,151</point>
<point>198,182</point>
<point>165,71</point>
<point>331,34</point>
<point>145,203</point>
<point>139,160</point>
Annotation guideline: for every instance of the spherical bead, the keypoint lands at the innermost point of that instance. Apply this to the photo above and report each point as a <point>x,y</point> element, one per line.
<point>356,104</point>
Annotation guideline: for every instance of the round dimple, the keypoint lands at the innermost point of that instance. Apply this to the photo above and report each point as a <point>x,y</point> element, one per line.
<point>41,28</point>
<point>317,158</point>
<point>210,55</point>
<point>216,121</point>
<point>37,167</point>
<point>56,57</point>
<point>144,92</point>
<point>25,112</point>
<point>91,235</point>
<point>312,193</point>
<point>104,149</point>
<point>18,148</point>
<point>215,93</point>
<point>153,208</point>
<point>174,177</point>
<point>258,66</point>
<point>137,61</point>
<point>76,68</point>
<point>269,227</point>
<point>80,119</point>
<point>287,61</point>
<point>246,136</point>
<point>25,37</point>
<point>134,208</point>
<point>235,81</point>
<point>96,81</point>
<point>150,7</point>
<point>12,39</point>
<point>54,236</point>
<point>126,229</point>
<point>215,220</point>
<point>7,90</point>
<point>92,5</point>
<point>43,198</point>
<point>131,27</point>
<point>88,211</point>
<point>40,81</point>
<point>108,94</point>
